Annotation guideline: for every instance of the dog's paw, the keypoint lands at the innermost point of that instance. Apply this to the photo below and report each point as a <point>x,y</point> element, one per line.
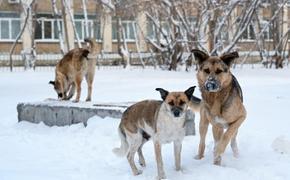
<point>236,154</point>
<point>198,157</point>
<point>217,160</point>
<point>138,172</point>
<point>76,101</point>
<point>178,169</point>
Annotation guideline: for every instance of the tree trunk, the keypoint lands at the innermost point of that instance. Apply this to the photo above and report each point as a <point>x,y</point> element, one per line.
<point>28,9</point>
<point>59,32</point>
<point>86,18</point>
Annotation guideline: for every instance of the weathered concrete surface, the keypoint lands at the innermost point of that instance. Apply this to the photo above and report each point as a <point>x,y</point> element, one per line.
<point>62,113</point>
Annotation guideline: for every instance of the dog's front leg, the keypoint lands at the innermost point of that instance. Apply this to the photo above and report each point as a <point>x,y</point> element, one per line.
<point>90,79</point>
<point>203,127</point>
<point>217,134</point>
<point>225,139</point>
<point>71,91</point>
<point>157,148</point>
<point>177,154</point>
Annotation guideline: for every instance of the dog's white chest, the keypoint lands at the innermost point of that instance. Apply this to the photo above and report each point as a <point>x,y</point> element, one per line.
<point>221,122</point>
<point>169,129</point>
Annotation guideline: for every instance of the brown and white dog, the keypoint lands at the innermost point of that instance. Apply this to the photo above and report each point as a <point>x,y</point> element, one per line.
<point>161,121</point>
<point>70,71</point>
<point>222,102</point>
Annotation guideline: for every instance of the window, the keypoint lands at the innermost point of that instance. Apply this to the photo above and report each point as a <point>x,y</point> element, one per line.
<point>5,29</point>
<point>56,33</point>
<point>267,33</point>
<point>151,32</point>
<point>79,28</point>
<point>9,28</point>
<point>93,28</point>
<point>249,33</point>
<point>46,29</point>
<point>15,28</point>
<point>97,30</point>
<point>128,27</point>
<point>152,29</point>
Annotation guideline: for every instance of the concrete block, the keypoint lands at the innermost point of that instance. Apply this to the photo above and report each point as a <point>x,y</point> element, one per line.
<point>63,113</point>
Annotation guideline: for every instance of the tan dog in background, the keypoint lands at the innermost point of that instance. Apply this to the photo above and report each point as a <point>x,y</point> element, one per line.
<point>92,57</point>
<point>222,102</point>
<point>71,69</point>
<point>163,121</point>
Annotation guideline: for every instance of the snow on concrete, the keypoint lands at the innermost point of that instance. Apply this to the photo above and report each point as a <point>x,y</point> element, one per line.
<point>35,151</point>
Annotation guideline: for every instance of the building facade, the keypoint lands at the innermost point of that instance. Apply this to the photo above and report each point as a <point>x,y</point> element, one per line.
<point>42,29</point>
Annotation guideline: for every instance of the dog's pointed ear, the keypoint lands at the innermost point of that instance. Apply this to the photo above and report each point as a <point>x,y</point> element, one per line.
<point>51,82</point>
<point>199,55</point>
<point>189,92</point>
<point>163,93</point>
<point>228,58</point>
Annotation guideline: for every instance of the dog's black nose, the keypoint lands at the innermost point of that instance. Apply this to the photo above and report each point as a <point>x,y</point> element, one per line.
<point>60,95</point>
<point>211,86</point>
<point>176,113</point>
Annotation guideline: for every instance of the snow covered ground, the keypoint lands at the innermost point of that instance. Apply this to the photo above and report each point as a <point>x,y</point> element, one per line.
<point>34,151</point>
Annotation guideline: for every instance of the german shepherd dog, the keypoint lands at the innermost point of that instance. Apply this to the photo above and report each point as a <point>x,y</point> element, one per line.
<point>222,102</point>
<point>70,71</point>
<point>163,121</point>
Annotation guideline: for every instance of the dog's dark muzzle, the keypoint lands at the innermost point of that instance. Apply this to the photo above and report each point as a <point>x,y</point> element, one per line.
<point>212,86</point>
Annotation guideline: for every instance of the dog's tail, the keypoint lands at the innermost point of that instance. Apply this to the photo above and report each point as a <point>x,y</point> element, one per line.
<point>194,104</point>
<point>122,151</point>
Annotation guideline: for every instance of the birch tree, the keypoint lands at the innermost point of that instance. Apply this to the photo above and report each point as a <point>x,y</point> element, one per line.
<point>86,17</point>
<point>27,8</point>
<point>57,17</point>
<point>66,9</point>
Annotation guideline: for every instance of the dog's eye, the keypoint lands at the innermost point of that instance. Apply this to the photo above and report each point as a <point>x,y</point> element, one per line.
<point>218,71</point>
<point>181,103</point>
<point>206,71</point>
<point>171,103</point>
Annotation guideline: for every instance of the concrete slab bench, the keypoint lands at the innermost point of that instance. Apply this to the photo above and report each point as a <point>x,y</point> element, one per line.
<point>63,113</point>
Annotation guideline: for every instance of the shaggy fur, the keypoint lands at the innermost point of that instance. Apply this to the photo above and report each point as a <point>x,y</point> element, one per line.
<point>222,102</point>
<point>70,71</point>
<point>161,121</point>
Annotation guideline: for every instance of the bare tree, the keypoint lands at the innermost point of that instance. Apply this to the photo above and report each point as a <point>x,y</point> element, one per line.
<point>216,26</point>
<point>27,9</point>
<point>57,17</point>
<point>86,17</point>
<point>66,9</point>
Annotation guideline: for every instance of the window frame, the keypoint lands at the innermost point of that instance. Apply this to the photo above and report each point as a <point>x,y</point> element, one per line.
<point>165,28</point>
<point>91,23</point>
<point>52,21</point>
<point>53,35</point>
<point>248,31</point>
<point>9,19</point>
<point>127,33</point>
<point>268,30</point>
